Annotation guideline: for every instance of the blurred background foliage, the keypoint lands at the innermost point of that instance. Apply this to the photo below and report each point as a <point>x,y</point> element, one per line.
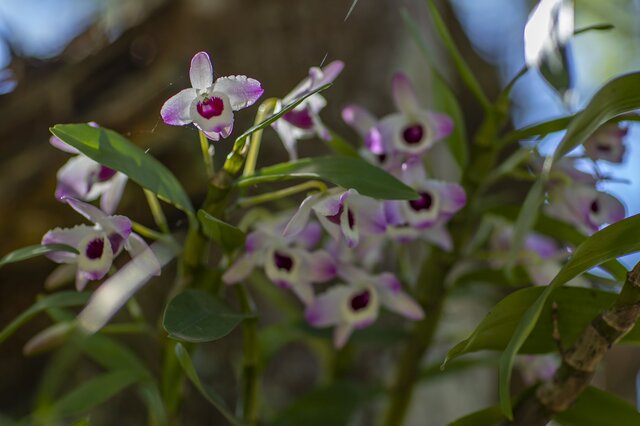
<point>116,61</point>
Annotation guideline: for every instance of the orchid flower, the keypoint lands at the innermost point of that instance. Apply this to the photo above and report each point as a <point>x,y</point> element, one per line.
<point>412,130</point>
<point>425,217</point>
<point>344,215</point>
<point>584,206</point>
<point>303,121</point>
<point>288,262</point>
<point>207,104</point>
<point>97,245</point>
<point>84,179</point>
<point>356,304</point>
<point>537,368</point>
<point>540,256</point>
<point>607,143</point>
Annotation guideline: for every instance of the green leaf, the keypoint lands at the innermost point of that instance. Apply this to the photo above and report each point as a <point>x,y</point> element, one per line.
<point>332,405</point>
<point>577,307</point>
<point>82,422</point>
<point>346,172</point>
<point>524,224</point>
<point>444,98</point>
<point>619,96</point>
<point>340,146</point>
<point>206,391</point>
<point>615,240</point>
<point>458,60</point>
<point>272,118</point>
<point>33,251</point>
<point>227,236</point>
<point>596,407</point>
<point>486,417</point>
<point>58,300</point>
<point>196,316</point>
<point>117,152</point>
<point>94,392</point>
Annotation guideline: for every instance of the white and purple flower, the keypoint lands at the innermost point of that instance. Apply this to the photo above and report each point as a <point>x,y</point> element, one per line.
<point>97,245</point>
<point>412,130</point>
<point>607,143</point>
<point>303,121</point>
<point>288,262</point>
<point>210,105</point>
<point>345,215</point>
<point>584,206</point>
<point>427,216</point>
<point>356,305</point>
<point>84,179</point>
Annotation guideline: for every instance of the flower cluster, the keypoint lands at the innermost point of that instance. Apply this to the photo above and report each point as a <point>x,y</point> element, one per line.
<point>294,253</point>
<point>574,196</point>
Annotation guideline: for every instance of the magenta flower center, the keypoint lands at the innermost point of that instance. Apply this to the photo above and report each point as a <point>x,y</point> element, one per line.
<point>210,107</point>
<point>594,207</point>
<point>603,147</point>
<point>301,119</point>
<point>423,203</point>
<point>360,300</point>
<point>105,173</point>
<point>95,248</point>
<point>283,261</point>
<point>413,134</point>
<point>336,217</point>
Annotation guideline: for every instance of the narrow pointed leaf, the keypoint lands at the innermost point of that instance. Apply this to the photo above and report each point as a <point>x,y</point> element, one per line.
<point>346,172</point>
<point>206,391</point>
<point>34,251</point>
<point>117,152</point>
<point>596,407</point>
<point>62,299</point>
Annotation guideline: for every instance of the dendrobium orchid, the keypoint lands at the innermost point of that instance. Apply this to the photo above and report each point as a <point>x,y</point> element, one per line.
<point>607,143</point>
<point>303,121</point>
<point>210,105</point>
<point>356,304</point>
<point>84,179</point>
<point>584,206</point>
<point>288,262</point>
<point>343,214</point>
<point>412,130</point>
<point>97,245</point>
<point>425,217</point>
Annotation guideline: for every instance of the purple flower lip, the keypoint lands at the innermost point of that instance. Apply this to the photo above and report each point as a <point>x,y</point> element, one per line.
<point>413,134</point>
<point>283,261</point>
<point>604,148</point>
<point>423,203</point>
<point>360,301</point>
<point>301,119</point>
<point>210,107</point>
<point>105,173</point>
<point>95,248</point>
<point>335,218</point>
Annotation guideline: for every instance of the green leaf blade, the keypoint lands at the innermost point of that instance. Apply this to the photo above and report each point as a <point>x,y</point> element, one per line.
<point>344,171</point>
<point>117,152</point>
<point>227,236</point>
<point>34,251</point>
<point>195,316</point>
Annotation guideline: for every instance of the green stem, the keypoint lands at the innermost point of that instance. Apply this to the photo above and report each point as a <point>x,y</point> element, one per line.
<point>282,193</point>
<point>206,155</point>
<point>431,294</point>
<point>264,110</point>
<point>147,232</point>
<point>249,403</point>
<point>156,211</point>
